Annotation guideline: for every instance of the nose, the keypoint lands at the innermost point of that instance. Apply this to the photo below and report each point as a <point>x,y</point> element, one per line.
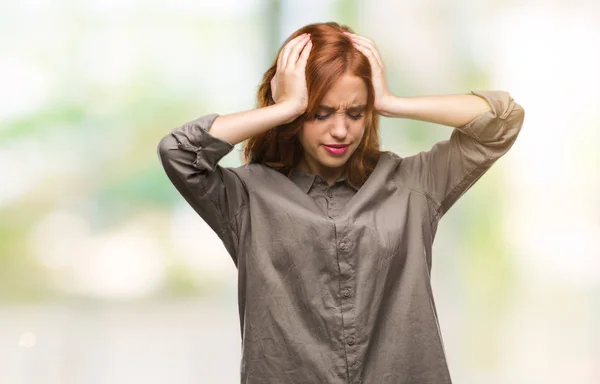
<point>339,127</point>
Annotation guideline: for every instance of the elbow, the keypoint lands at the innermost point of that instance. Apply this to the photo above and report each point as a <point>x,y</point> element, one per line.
<point>506,126</point>
<point>517,116</point>
<point>514,114</point>
<point>167,151</point>
<point>514,121</point>
<point>165,146</point>
<point>510,127</point>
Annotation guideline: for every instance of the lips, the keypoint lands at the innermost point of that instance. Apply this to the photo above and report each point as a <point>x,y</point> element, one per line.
<point>336,149</point>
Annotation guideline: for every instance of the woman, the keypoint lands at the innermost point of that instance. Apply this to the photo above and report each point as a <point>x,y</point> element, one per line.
<point>332,237</point>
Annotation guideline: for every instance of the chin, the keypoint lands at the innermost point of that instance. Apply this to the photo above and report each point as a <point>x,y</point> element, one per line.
<point>335,162</point>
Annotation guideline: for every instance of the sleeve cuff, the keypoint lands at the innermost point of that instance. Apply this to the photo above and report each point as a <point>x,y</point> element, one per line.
<point>487,127</point>
<point>194,137</point>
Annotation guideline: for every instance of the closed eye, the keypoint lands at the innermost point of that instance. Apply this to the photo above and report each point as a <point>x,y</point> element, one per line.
<point>353,117</point>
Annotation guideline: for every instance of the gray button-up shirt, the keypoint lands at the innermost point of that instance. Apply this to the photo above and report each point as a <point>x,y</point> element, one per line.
<point>330,200</point>
<point>334,281</point>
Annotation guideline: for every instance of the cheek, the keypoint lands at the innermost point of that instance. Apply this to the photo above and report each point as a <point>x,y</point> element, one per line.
<point>360,133</point>
<point>309,134</point>
<point>304,138</point>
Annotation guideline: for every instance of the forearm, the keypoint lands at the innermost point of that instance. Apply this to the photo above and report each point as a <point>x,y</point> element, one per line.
<point>240,126</point>
<point>448,110</point>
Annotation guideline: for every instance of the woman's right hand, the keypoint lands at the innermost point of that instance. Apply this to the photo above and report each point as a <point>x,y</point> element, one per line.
<point>288,89</point>
<point>289,83</point>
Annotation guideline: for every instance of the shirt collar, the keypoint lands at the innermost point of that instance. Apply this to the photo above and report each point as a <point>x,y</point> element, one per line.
<point>305,180</point>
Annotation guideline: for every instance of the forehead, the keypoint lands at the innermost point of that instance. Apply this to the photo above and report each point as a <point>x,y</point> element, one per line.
<point>346,91</point>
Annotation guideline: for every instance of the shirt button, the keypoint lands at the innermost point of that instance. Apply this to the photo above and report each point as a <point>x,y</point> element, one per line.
<point>351,340</point>
<point>329,194</point>
<point>346,292</point>
<point>343,246</point>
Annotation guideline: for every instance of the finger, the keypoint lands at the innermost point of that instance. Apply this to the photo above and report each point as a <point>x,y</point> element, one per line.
<point>366,49</point>
<point>295,52</point>
<point>370,56</point>
<point>273,89</point>
<point>361,38</point>
<point>363,41</point>
<point>281,60</point>
<point>286,50</point>
<point>305,54</point>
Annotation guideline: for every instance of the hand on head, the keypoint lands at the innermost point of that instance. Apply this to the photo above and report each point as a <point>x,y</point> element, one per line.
<point>368,48</point>
<point>289,83</point>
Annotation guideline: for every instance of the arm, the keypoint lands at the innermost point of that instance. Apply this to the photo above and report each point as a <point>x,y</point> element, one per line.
<point>448,110</point>
<point>237,127</point>
<point>486,126</point>
<point>451,167</point>
<point>190,155</point>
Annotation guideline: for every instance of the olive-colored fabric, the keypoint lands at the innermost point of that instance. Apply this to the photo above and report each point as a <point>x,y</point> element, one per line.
<point>334,281</point>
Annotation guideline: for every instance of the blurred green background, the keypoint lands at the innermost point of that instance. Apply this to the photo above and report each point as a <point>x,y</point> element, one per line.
<point>108,276</point>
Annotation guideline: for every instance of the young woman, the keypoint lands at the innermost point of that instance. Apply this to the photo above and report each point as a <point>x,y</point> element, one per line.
<point>332,237</point>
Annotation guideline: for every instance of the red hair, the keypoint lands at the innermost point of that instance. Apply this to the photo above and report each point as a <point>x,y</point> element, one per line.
<point>332,55</point>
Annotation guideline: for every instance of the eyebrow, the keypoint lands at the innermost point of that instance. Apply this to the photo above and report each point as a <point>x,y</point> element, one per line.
<point>353,108</point>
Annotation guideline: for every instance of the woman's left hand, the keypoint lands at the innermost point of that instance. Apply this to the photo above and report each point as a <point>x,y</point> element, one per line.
<point>368,48</point>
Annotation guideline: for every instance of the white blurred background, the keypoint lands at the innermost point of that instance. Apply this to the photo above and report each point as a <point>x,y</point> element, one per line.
<point>108,276</point>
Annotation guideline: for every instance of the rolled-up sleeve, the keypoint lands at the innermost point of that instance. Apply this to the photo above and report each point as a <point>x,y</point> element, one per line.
<point>190,157</point>
<point>451,167</point>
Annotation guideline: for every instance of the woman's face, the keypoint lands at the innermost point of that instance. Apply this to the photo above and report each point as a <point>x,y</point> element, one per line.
<point>340,120</point>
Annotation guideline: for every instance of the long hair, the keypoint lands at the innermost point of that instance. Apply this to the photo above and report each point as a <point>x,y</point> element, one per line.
<point>332,55</point>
